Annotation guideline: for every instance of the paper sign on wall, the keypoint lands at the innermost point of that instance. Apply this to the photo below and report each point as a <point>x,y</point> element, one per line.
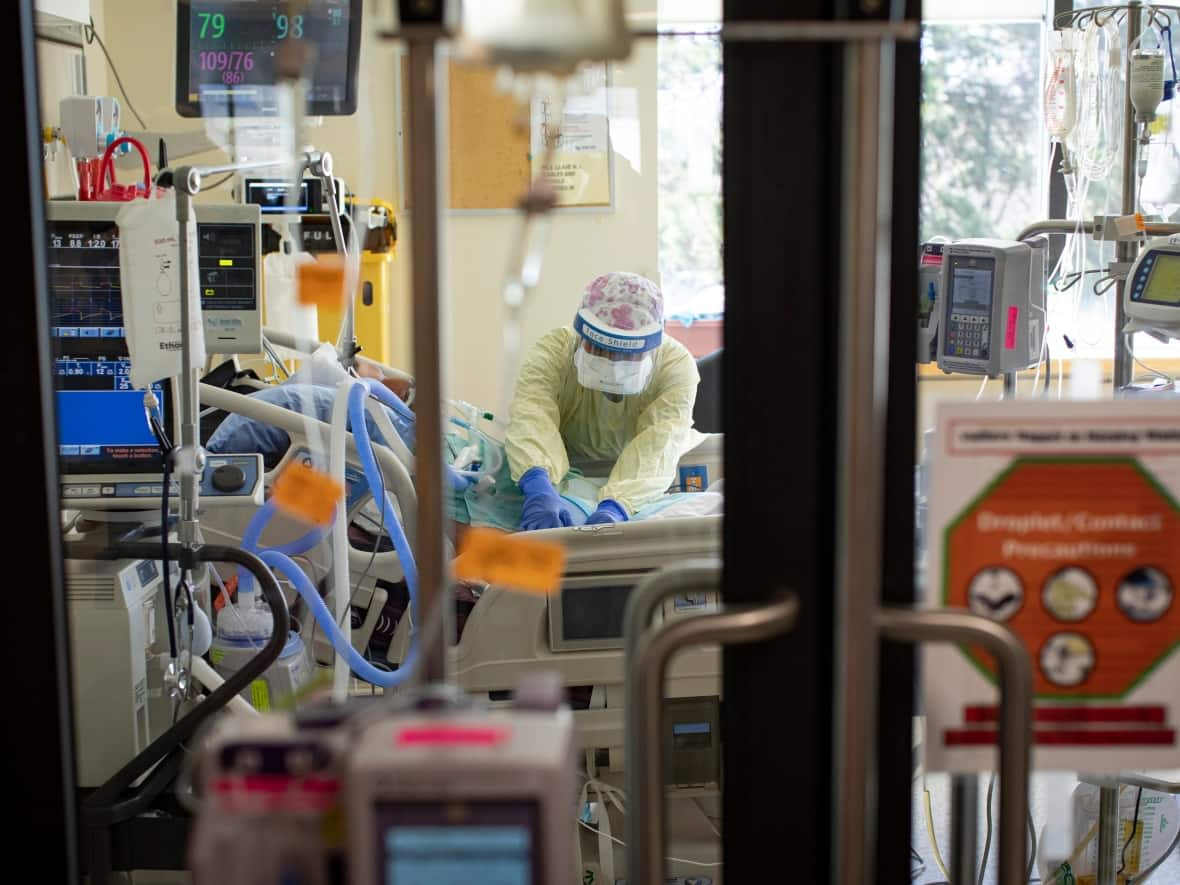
<point>1061,521</point>
<point>149,270</point>
<point>570,142</point>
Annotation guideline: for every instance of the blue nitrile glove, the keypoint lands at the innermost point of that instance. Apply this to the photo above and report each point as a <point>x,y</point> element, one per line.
<point>608,511</point>
<point>543,507</point>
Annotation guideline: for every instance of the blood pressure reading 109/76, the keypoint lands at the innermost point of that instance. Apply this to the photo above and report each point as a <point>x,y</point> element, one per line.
<point>234,64</point>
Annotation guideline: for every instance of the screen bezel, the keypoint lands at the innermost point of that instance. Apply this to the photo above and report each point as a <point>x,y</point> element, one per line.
<point>192,109</point>
<point>412,813</point>
<point>1143,299</point>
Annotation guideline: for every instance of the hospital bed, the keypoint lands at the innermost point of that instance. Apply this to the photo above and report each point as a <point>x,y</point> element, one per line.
<point>578,632</point>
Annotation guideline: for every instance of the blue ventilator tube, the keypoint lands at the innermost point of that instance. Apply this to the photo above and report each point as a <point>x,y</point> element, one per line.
<point>319,609</point>
<point>280,557</point>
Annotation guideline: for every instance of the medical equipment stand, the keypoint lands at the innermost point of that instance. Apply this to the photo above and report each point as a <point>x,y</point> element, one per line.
<point>1126,248</point>
<point>427,87</point>
<point>1125,251</point>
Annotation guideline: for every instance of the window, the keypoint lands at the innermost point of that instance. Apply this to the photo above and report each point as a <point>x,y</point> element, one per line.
<point>984,149</point>
<point>690,208</point>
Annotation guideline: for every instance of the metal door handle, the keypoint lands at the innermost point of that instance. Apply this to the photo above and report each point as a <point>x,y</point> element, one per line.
<point>647,655</point>
<point>1016,709</point>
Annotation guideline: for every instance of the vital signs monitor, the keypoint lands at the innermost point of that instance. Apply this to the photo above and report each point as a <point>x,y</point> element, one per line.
<point>228,54</point>
<point>1151,298</point>
<point>991,306</point>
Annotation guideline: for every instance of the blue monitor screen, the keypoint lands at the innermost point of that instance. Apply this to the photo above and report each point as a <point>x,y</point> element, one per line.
<point>459,843</point>
<point>101,423</point>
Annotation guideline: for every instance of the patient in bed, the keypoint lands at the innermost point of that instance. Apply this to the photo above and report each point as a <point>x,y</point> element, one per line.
<point>495,502</point>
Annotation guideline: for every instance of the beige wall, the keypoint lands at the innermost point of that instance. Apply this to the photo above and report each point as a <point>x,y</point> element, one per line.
<point>139,34</point>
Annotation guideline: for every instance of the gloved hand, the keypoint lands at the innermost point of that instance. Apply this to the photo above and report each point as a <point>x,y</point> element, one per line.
<point>608,511</point>
<point>543,507</point>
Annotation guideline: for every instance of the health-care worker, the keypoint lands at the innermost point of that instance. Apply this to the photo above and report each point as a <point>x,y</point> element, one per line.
<point>610,388</point>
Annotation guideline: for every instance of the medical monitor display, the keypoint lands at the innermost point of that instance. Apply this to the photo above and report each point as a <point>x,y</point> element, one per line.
<point>272,196</point>
<point>459,842</point>
<point>227,55</point>
<point>102,426</point>
<point>972,285</point>
<point>592,612</point>
<point>1163,285</point>
<point>226,262</point>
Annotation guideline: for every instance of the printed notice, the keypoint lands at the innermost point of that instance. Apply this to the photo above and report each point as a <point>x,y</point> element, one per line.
<point>570,142</point>
<point>1061,521</point>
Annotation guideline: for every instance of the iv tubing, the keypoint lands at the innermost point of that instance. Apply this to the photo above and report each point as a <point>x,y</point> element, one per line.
<point>340,583</point>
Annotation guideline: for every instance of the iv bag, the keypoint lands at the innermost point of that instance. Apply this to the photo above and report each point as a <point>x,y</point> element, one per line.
<point>149,269</point>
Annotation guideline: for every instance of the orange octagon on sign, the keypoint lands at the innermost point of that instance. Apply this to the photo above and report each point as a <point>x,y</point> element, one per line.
<point>1104,518</point>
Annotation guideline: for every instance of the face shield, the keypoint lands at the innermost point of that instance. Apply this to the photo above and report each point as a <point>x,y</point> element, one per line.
<point>612,361</point>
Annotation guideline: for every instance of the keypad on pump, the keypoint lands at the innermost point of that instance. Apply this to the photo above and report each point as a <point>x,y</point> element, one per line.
<point>969,336</point>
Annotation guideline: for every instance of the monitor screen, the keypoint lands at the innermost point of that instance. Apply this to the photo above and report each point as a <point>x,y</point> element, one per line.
<point>102,426</point>
<point>1163,284</point>
<point>459,842</point>
<point>226,263</point>
<point>226,55</point>
<point>593,612</point>
<point>272,196</point>
<point>972,285</point>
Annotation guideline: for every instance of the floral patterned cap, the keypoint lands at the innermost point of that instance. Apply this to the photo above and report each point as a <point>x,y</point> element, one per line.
<point>623,312</point>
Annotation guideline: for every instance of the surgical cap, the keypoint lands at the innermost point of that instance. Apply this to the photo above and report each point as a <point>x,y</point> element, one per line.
<point>623,312</point>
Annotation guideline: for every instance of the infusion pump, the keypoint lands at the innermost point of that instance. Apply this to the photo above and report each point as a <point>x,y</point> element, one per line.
<point>991,306</point>
<point>1151,298</point>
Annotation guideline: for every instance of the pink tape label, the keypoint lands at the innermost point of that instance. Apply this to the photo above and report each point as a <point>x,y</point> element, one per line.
<point>1010,332</point>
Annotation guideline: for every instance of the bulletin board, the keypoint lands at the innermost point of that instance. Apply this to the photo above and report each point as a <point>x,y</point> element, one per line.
<point>489,145</point>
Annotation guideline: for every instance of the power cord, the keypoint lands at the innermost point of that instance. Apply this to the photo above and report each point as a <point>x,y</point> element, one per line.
<point>930,834</point>
<point>1130,835</point>
<point>92,37</point>
<point>987,841</point>
<point>218,183</point>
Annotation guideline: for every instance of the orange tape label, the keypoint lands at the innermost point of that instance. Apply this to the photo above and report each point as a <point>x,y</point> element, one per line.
<point>307,494</point>
<point>511,561</point>
<point>321,282</point>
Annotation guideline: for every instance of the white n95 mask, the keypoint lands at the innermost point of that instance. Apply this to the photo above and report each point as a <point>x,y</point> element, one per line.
<point>622,377</point>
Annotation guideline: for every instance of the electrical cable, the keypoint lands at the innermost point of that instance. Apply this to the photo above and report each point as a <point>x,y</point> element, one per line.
<point>1156,372</point>
<point>1130,835</point>
<point>690,863</point>
<point>1032,850</point>
<point>915,856</point>
<point>987,841</point>
<point>930,835</point>
<point>218,183</point>
<point>168,610</point>
<point>92,37</point>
